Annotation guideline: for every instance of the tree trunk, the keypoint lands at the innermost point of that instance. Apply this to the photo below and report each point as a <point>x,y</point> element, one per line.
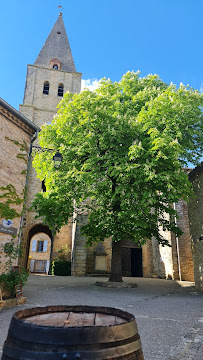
<point>116,267</point>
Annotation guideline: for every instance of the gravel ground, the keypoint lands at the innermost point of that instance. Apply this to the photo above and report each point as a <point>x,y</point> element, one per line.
<point>168,313</point>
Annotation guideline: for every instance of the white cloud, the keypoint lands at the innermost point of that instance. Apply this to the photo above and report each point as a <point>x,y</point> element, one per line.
<point>201,88</point>
<point>90,84</point>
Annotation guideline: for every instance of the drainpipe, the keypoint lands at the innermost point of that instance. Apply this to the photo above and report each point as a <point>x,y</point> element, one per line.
<point>26,183</point>
<point>51,251</point>
<point>177,246</point>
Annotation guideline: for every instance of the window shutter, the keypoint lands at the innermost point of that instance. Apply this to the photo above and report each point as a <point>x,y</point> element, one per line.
<point>47,266</point>
<point>32,263</point>
<point>34,245</point>
<point>45,246</point>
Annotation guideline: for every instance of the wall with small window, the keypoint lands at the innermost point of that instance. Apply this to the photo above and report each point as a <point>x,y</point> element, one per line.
<point>39,253</point>
<point>39,107</point>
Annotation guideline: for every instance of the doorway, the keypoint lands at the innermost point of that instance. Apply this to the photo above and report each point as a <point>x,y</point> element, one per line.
<point>136,262</point>
<point>132,262</point>
<point>40,266</point>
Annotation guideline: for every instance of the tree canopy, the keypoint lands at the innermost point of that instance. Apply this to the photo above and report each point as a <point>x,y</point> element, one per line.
<point>124,147</point>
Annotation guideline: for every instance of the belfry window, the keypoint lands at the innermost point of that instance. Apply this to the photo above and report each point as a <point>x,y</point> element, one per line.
<point>46,88</point>
<point>60,90</point>
<point>55,63</point>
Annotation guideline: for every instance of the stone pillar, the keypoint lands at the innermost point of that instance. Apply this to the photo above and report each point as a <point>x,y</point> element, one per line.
<point>147,259</point>
<point>79,252</point>
<point>162,258</point>
<point>198,264</point>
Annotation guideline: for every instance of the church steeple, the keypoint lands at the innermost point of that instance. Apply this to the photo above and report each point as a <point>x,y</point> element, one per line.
<point>51,76</point>
<point>57,47</point>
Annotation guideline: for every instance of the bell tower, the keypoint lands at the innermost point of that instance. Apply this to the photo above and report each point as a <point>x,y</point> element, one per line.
<point>52,74</point>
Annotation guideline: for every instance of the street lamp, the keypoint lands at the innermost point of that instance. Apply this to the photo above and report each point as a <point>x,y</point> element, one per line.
<point>57,160</point>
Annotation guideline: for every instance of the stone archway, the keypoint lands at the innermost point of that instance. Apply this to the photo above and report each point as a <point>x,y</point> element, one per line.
<point>39,248</point>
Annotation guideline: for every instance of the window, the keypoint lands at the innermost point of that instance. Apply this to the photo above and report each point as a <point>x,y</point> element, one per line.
<point>40,246</point>
<point>46,88</point>
<point>60,90</point>
<point>55,66</point>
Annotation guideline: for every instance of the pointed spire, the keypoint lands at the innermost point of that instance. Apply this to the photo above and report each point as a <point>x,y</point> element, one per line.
<point>57,46</point>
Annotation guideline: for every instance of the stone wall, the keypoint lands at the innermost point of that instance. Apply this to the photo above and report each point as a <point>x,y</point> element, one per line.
<point>162,261</point>
<point>64,237</point>
<point>196,224</point>
<point>184,243</point>
<point>12,169</point>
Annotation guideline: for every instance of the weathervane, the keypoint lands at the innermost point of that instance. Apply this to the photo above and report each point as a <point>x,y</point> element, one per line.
<point>60,7</point>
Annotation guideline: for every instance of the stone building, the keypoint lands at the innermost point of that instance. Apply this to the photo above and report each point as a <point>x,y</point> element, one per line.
<point>52,74</point>
<point>196,224</point>
<point>16,133</point>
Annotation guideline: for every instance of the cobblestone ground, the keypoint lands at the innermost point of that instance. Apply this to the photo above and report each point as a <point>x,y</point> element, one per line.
<point>168,313</point>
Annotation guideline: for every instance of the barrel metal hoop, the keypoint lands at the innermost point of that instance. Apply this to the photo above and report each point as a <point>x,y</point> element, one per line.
<point>84,355</point>
<point>75,335</point>
<point>13,342</point>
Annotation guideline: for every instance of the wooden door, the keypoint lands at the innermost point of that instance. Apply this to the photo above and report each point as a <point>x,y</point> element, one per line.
<point>126,261</point>
<point>40,266</point>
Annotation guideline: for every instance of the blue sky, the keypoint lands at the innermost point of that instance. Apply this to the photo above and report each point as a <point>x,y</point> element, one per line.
<point>107,38</point>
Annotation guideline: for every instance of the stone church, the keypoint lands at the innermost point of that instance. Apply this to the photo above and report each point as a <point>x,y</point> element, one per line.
<point>53,74</point>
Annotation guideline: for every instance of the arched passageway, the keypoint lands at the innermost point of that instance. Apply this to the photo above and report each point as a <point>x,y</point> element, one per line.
<point>39,249</point>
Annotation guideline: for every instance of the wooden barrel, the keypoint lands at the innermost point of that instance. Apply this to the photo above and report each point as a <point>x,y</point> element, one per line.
<point>72,332</point>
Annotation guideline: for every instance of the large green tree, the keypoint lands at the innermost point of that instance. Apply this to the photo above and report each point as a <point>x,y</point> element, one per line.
<point>124,147</point>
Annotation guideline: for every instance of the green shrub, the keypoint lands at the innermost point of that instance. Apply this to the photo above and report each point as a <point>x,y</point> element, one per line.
<point>9,280</point>
<point>61,268</point>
